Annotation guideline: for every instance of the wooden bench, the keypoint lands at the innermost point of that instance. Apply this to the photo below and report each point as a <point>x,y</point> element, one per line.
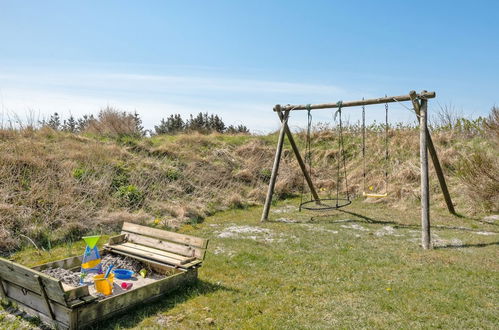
<point>165,247</point>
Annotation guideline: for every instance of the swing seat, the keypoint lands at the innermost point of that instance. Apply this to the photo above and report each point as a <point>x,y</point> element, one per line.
<point>374,195</point>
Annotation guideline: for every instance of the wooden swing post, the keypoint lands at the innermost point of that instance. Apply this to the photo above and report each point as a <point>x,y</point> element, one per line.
<point>425,183</point>
<point>434,156</point>
<point>420,103</point>
<point>275,166</point>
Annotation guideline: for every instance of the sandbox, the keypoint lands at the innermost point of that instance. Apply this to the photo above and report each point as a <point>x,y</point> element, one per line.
<point>172,260</point>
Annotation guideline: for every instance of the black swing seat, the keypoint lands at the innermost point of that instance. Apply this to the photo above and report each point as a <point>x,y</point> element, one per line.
<point>324,204</point>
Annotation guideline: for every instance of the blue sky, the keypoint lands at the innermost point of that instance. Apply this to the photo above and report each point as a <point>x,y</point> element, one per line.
<point>239,58</point>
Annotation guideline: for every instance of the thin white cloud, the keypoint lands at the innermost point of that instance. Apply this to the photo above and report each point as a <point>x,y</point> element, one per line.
<point>237,100</point>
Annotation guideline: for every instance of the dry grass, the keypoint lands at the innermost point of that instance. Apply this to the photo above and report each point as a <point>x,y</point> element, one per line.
<point>54,186</point>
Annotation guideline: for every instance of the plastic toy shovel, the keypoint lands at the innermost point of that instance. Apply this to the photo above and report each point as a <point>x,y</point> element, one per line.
<point>108,271</point>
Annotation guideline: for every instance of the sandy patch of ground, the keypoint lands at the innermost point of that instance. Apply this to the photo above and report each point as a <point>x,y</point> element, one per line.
<point>286,220</point>
<point>355,227</point>
<point>485,233</point>
<point>318,229</point>
<point>253,233</point>
<point>220,250</point>
<point>386,231</point>
<point>284,209</point>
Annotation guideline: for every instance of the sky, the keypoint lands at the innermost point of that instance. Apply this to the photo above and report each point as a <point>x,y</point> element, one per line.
<point>240,58</point>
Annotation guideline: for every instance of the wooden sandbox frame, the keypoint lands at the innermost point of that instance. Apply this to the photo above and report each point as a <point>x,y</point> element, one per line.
<point>66,307</point>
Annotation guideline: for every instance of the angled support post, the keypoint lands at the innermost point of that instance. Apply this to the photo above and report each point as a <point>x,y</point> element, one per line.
<point>299,158</point>
<point>3,294</point>
<point>425,189</point>
<point>434,157</point>
<point>275,167</point>
<point>45,297</point>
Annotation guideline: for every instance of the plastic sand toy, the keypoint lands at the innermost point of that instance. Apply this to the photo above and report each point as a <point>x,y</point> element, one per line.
<point>104,285</point>
<point>91,262</point>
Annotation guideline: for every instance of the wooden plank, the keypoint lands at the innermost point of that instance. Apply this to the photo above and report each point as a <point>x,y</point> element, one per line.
<point>183,250</point>
<point>434,157</point>
<point>275,166</point>
<point>76,293</point>
<point>130,300</point>
<point>67,263</point>
<point>165,235</point>
<point>192,264</point>
<point>44,318</point>
<point>182,259</point>
<point>147,255</point>
<point>425,189</point>
<point>3,295</point>
<point>145,260</point>
<point>117,239</point>
<point>25,277</point>
<point>45,298</point>
<point>381,100</point>
<point>303,167</point>
<point>35,301</point>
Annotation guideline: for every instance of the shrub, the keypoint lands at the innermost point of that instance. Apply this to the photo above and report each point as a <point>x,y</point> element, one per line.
<point>173,174</point>
<point>130,196</point>
<point>116,124</point>
<point>480,173</point>
<point>120,177</point>
<point>79,173</point>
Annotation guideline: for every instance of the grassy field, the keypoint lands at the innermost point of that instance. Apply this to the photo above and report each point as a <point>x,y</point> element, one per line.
<point>357,268</point>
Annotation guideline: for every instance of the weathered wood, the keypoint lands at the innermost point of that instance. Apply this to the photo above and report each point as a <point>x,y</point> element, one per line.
<point>147,255</point>
<point>117,239</point>
<point>381,100</point>
<point>153,262</point>
<point>68,263</point>
<point>45,297</point>
<point>3,295</point>
<point>303,167</point>
<point>425,189</point>
<point>275,166</point>
<point>434,157</point>
<point>25,277</point>
<point>165,235</point>
<point>183,250</point>
<point>35,301</point>
<point>43,317</point>
<point>69,313</point>
<point>140,297</point>
<point>181,259</point>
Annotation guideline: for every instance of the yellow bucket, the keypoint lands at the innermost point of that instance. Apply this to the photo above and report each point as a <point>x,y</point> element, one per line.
<point>104,285</point>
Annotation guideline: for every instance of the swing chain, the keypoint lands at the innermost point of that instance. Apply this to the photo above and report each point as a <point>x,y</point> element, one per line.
<point>308,153</point>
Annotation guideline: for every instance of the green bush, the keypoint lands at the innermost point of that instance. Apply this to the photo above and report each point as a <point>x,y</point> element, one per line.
<point>130,196</point>
<point>173,174</point>
<point>79,173</point>
<point>120,178</point>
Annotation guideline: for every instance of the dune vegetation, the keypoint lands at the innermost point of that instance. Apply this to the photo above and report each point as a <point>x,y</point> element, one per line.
<point>56,185</point>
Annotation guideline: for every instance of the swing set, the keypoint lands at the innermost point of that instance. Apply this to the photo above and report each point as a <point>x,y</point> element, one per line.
<point>420,107</point>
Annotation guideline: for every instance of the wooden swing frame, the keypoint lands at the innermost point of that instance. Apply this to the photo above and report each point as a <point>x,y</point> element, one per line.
<point>420,105</point>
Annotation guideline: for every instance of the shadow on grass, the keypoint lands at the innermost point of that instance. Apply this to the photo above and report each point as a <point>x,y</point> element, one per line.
<point>453,246</point>
<point>134,316</point>
<point>326,218</point>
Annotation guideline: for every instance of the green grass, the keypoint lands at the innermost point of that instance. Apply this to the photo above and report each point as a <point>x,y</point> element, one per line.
<point>361,268</point>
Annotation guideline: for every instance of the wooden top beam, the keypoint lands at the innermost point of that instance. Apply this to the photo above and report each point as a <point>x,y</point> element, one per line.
<point>381,100</point>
